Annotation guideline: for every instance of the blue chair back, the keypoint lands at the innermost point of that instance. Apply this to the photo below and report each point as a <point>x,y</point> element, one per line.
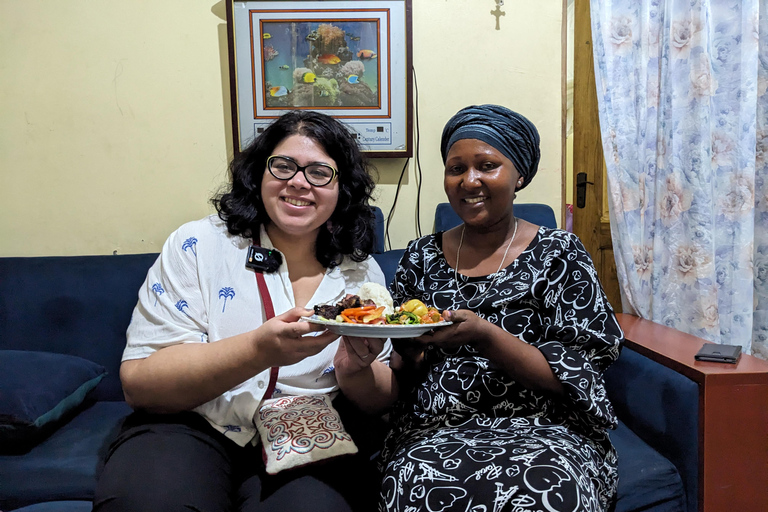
<point>380,227</point>
<point>535,213</point>
<point>387,260</point>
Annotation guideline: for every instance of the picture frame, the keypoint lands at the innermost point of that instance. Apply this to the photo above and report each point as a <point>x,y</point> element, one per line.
<point>350,59</point>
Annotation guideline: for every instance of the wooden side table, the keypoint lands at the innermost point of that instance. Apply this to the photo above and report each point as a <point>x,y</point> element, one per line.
<point>733,415</point>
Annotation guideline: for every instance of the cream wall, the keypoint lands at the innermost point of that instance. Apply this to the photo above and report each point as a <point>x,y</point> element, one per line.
<point>115,115</point>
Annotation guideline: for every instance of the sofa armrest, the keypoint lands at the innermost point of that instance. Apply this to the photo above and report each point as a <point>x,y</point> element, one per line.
<point>661,407</point>
<point>732,419</point>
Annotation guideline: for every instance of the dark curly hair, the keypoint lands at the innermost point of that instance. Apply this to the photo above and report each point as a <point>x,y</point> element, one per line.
<point>351,229</point>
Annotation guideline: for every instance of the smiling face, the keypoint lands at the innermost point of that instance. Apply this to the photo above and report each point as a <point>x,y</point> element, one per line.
<point>295,207</point>
<point>480,183</point>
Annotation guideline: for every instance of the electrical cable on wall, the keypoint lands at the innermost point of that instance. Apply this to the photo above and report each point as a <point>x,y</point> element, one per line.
<point>402,172</point>
<point>394,202</point>
<point>418,160</point>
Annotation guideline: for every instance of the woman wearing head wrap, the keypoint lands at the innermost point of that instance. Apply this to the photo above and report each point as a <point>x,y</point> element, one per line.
<point>506,408</point>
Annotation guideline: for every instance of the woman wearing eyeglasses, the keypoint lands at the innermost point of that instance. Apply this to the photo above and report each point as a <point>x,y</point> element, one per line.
<point>200,346</point>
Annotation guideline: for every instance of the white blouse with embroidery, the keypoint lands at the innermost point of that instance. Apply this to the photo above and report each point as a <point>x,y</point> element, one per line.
<point>199,291</point>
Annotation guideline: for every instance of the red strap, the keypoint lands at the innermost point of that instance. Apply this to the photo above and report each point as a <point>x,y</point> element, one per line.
<point>269,312</point>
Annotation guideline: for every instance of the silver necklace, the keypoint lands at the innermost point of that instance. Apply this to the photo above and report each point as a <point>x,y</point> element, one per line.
<point>496,274</point>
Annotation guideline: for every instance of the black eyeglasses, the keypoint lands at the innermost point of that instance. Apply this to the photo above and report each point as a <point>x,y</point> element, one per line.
<point>285,168</point>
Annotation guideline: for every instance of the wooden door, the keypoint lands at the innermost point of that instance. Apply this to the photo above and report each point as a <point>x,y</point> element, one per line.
<point>590,220</point>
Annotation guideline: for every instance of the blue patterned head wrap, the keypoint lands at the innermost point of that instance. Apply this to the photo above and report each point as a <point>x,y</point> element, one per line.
<point>507,131</point>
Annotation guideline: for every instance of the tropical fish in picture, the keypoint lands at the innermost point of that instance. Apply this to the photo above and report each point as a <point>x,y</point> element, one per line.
<point>353,67</point>
<point>278,91</point>
<point>266,35</point>
<point>326,88</point>
<point>309,77</point>
<point>285,66</point>
<point>353,38</point>
<point>353,79</point>
<point>312,36</point>
<point>328,58</point>
<point>366,54</point>
<point>270,53</point>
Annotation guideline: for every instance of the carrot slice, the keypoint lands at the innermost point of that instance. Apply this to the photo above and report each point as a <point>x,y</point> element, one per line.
<point>354,312</point>
<point>373,315</point>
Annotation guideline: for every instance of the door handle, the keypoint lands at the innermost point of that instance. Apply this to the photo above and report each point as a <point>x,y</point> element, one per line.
<point>581,189</point>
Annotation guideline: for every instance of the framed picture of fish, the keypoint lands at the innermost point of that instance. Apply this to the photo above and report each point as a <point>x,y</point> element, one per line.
<point>350,59</point>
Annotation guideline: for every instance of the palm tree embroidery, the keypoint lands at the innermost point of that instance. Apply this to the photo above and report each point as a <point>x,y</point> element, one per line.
<point>328,370</point>
<point>158,289</point>
<point>181,305</point>
<point>226,293</point>
<point>190,243</point>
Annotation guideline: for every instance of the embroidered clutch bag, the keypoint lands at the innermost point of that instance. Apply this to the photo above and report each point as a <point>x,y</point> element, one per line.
<point>300,430</point>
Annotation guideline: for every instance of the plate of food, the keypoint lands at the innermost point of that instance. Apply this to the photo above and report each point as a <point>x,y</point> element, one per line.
<point>374,330</point>
<point>371,314</point>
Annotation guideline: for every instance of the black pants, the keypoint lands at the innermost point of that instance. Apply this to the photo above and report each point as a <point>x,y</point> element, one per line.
<point>166,463</point>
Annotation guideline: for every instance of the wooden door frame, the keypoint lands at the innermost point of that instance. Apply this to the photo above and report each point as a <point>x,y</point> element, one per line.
<point>565,44</point>
<point>591,223</point>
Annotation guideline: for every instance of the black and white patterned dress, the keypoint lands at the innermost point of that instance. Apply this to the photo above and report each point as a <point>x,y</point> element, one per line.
<point>467,437</point>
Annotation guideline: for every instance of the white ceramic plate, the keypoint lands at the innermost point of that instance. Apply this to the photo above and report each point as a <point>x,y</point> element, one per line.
<point>375,330</point>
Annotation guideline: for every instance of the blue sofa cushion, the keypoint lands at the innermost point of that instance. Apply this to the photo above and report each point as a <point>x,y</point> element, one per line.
<point>647,480</point>
<point>381,227</point>
<point>66,465</point>
<point>58,506</point>
<point>39,390</point>
<point>78,305</point>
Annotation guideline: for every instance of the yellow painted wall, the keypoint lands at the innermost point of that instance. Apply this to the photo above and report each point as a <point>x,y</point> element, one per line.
<point>114,124</point>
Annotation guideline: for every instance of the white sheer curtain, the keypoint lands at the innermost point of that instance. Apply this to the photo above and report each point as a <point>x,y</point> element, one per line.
<point>683,107</point>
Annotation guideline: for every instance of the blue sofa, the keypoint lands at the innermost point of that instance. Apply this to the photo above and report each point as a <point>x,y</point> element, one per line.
<point>78,308</point>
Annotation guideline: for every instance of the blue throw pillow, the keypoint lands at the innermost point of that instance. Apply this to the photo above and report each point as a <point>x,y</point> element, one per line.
<point>38,392</point>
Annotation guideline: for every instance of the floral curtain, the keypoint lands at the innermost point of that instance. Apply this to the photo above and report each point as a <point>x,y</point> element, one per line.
<point>681,88</point>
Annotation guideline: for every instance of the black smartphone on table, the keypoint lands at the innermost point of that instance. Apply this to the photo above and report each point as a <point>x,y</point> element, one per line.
<point>719,353</point>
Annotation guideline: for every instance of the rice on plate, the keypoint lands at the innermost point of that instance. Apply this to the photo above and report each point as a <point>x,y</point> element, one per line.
<point>379,295</point>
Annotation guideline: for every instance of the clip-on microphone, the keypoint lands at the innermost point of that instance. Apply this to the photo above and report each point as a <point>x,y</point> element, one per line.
<point>263,260</point>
